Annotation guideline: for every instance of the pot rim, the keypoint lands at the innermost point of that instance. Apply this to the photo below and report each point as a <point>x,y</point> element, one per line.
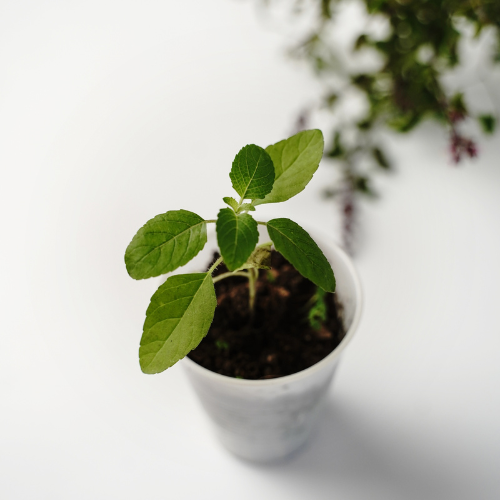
<point>332,357</point>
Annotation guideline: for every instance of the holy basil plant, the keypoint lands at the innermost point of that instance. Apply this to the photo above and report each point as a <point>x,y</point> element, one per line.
<point>181,310</point>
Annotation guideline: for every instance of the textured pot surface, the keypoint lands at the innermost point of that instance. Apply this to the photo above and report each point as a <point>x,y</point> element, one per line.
<point>265,420</point>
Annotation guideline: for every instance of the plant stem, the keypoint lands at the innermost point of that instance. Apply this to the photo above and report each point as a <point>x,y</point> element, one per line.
<point>211,221</point>
<point>267,244</point>
<point>229,274</point>
<point>214,265</point>
<point>262,223</point>
<point>252,278</point>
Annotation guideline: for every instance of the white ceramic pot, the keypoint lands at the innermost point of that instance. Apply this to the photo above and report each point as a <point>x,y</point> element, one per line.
<point>266,420</point>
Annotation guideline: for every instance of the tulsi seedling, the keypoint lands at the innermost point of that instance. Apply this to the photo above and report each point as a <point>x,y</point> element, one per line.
<point>181,310</point>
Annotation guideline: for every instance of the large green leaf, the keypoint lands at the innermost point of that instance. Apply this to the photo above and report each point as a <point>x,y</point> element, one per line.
<point>237,236</point>
<point>252,173</point>
<point>177,319</point>
<point>302,252</point>
<point>295,160</point>
<point>165,243</point>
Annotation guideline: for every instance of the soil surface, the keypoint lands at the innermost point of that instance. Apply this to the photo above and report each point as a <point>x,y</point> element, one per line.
<point>278,340</point>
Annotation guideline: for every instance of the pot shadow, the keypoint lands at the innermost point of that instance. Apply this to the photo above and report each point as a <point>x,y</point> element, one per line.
<point>350,455</point>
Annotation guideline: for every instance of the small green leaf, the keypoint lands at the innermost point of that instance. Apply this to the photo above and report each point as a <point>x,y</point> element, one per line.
<point>457,103</point>
<point>295,160</point>
<point>247,206</point>
<point>165,243</point>
<point>381,159</point>
<point>331,99</point>
<point>260,258</point>
<point>361,41</point>
<point>337,150</point>
<point>177,319</point>
<point>231,202</point>
<point>302,252</point>
<point>317,313</point>
<point>221,345</point>
<point>487,123</point>
<point>365,124</point>
<point>363,81</point>
<point>252,173</point>
<point>362,184</point>
<point>237,236</point>
<point>326,9</point>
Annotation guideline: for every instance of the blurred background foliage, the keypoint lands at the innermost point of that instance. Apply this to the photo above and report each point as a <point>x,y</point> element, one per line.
<point>394,67</point>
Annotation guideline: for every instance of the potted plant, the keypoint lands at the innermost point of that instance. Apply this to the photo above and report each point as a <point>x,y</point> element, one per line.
<point>256,419</point>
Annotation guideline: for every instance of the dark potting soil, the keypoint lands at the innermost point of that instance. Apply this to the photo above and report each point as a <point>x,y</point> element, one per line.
<point>278,340</point>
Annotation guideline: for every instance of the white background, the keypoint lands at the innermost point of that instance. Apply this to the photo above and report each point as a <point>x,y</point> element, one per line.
<point>114,111</point>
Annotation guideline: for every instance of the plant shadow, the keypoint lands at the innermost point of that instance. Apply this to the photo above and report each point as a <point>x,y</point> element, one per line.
<point>348,456</point>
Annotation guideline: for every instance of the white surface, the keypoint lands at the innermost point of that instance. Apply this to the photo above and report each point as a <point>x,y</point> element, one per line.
<point>112,112</point>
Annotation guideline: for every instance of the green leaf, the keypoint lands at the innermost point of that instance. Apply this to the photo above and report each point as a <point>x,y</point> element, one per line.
<point>362,184</point>
<point>247,206</point>
<point>237,236</point>
<point>363,81</point>
<point>317,313</point>
<point>326,9</point>
<point>302,252</point>
<point>177,319</point>
<point>361,41</point>
<point>457,103</point>
<point>487,123</point>
<point>165,243</point>
<point>337,150</point>
<point>231,202</point>
<point>295,160</point>
<point>252,173</point>
<point>331,99</point>
<point>365,124</point>
<point>381,159</point>
<point>222,345</point>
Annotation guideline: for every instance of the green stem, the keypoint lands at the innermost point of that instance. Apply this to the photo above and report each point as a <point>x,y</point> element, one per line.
<point>214,265</point>
<point>211,221</point>
<point>266,244</point>
<point>252,278</point>
<point>262,223</point>
<point>229,274</point>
